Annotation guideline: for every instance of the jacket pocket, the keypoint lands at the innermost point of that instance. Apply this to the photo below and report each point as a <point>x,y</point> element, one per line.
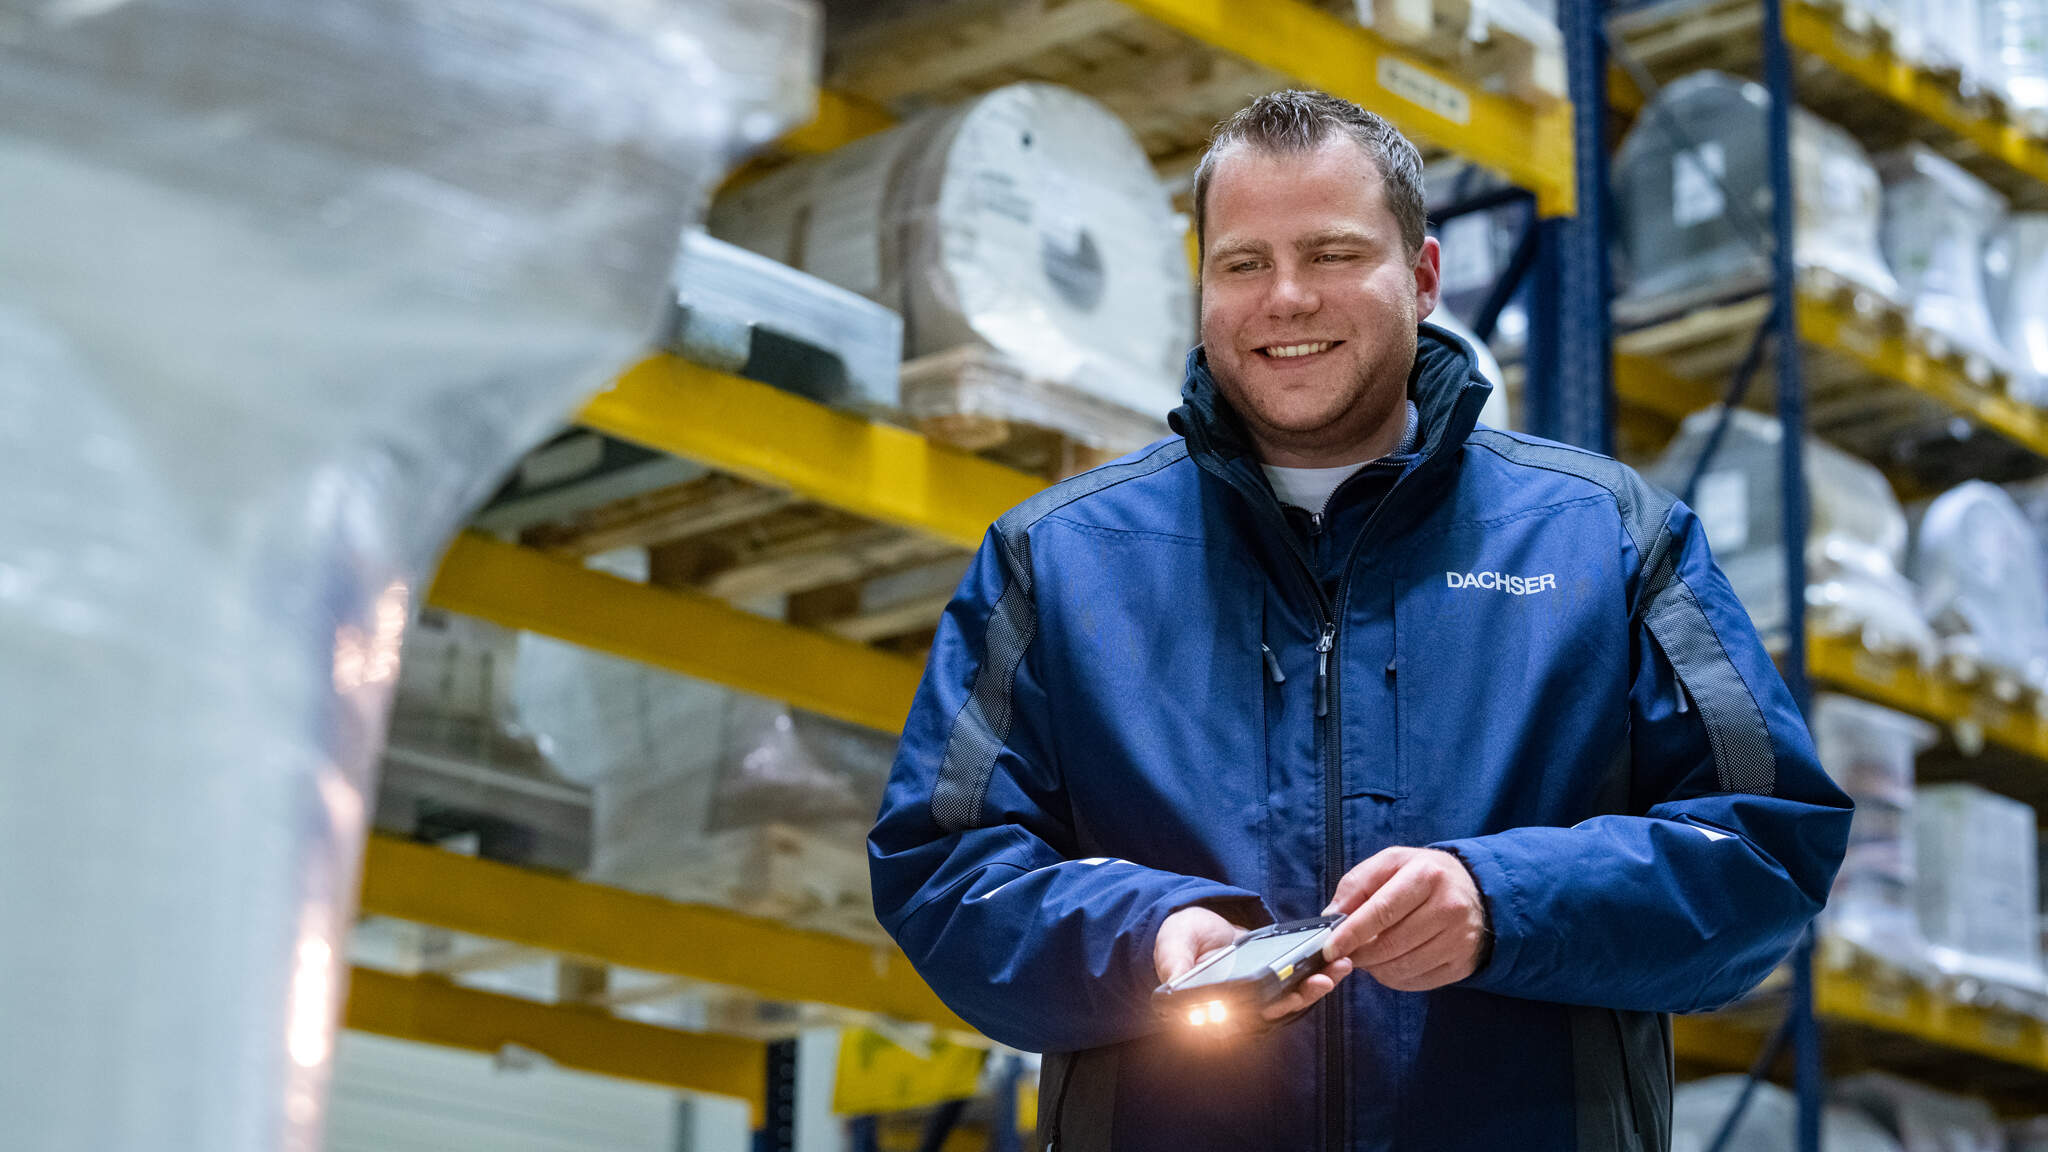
<point>1076,1101</point>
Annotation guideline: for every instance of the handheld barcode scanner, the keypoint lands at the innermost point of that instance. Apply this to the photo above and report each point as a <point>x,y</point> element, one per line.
<point>1261,968</point>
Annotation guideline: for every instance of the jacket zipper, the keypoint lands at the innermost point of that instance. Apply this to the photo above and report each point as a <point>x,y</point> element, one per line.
<point>1328,721</point>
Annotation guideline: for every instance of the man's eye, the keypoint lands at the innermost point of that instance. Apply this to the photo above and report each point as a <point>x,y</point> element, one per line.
<point>1334,257</point>
<point>1244,266</point>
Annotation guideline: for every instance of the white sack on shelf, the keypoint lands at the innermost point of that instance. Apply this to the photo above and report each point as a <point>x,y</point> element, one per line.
<point>1937,219</point>
<point>1976,883</point>
<point>1686,243</point>
<point>1869,751</point>
<point>1983,582</point>
<point>1855,546</point>
<point>2017,266</point>
<point>1699,1107</point>
<point>1924,1120</point>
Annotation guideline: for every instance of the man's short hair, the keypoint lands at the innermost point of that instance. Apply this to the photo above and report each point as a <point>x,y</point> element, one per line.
<point>1299,121</point>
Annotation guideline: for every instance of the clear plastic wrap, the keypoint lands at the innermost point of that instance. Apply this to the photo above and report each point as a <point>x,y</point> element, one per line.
<point>1495,414</point>
<point>1769,1124</point>
<point>2016,52</point>
<point>1684,243</point>
<point>1923,1119</point>
<point>1869,751</point>
<point>286,288</point>
<point>1477,247</point>
<point>1027,220</point>
<point>1984,584</point>
<point>1946,35</point>
<point>1856,543</point>
<point>2017,263</point>
<point>1976,884</point>
<point>1937,219</point>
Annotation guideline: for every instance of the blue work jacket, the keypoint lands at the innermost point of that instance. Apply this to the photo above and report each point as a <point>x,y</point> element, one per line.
<point>1519,652</point>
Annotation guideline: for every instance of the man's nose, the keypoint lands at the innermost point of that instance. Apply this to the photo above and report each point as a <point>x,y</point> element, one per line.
<point>1291,295</point>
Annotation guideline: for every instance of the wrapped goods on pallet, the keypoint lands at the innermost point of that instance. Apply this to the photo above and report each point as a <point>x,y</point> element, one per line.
<point>1692,186</point>
<point>1700,1107</point>
<point>1869,751</point>
<point>1854,551</point>
<point>1922,1118</point>
<point>1027,220</point>
<point>1477,246</point>
<point>2029,1135</point>
<point>1515,43</point>
<point>457,766</point>
<point>2017,264</point>
<point>1984,586</point>
<point>1496,412</point>
<point>1947,36</point>
<point>1937,219</point>
<point>2016,53</point>
<point>1976,883</point>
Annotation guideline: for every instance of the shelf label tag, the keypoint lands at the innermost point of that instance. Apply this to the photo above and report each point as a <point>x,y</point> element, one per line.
<point>1420,88</point>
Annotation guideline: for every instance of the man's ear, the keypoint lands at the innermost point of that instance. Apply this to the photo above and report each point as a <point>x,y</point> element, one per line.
<point>1428,276</point>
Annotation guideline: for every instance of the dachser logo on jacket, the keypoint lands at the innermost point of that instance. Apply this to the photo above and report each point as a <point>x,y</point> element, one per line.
<point>1503,582</point>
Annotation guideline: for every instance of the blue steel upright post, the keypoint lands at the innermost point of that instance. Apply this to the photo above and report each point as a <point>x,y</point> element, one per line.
<point>1569,388</point>
<point>1805,1029</point>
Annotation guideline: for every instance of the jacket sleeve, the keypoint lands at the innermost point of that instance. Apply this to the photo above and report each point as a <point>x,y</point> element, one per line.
<point>1732,832</point>
<point>973,857</point>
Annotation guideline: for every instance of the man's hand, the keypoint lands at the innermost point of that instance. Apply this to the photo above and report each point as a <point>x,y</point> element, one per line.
<point>1191,934</point>
<point>1416,920</point>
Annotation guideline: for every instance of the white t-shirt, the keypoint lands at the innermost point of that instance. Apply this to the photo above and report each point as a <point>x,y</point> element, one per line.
<point>1308,488</point>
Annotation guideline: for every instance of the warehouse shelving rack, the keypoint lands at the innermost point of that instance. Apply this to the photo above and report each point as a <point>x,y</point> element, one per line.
<point>892,476</point>
<point>1850,73</point>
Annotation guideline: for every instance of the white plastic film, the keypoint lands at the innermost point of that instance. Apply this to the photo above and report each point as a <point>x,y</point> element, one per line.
<point>1937,218</point>
<point>287,286</point>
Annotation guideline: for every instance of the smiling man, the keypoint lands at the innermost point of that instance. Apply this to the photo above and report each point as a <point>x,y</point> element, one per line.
<point>1335,647</point>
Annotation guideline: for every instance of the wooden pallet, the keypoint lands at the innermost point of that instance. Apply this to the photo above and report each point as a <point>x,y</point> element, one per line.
<point>978,401</point>
<point>1509,46</point>
<point>1170,89</point>
<point>1846,405</point>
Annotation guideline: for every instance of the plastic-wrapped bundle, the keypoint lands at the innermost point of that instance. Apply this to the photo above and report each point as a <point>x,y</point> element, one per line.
<point>1869,751</point>
<point>1855,547</point>
<point>1979,566</point>
<point>2017,261</point>
<point>1976,884</point>
<point>1946,35</point>
<point>1937,219</point>
<point>1923,1119</point>
<point>1477,246</point>
<point>1685,243</point>
<point>1028,220</point>
<point>2016,52</point>
<point>2029,1135</point>
<point>1769,1124</point>
<point>287,287</point>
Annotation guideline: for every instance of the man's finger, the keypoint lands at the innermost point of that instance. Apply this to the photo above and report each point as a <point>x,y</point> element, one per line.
<point>1311,990</point>
<point>1409,889</point>
<point>1421,926</point>
<point>1440,949</point>
<point>1363,880</point>
<point>1430,980</point>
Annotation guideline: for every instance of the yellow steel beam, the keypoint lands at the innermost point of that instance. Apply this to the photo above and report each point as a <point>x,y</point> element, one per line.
<point>841,119</point>
<point>1530,146</point>
<point>775,438</point>
<point>1645,382</point>
<point>1914,1011</point>
<point>1901,684</point>
<point>1716,1040</point>
<point>1812,31</point>
<point>427,885</point>
<point>429,1010</point>
<point>1826,324</point>
<point>676,629</point>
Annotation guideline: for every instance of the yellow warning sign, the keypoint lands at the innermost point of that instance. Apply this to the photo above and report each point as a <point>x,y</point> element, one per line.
<point>876,1074</point>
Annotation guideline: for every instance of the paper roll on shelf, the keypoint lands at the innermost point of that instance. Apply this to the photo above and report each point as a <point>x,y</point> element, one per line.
<point>1027,220</point>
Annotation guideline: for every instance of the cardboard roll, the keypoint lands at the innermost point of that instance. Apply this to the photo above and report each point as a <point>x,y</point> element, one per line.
<point>1027,220</point>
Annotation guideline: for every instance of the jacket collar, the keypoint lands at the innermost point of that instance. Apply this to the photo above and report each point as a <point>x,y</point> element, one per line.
<point>1444,384</point>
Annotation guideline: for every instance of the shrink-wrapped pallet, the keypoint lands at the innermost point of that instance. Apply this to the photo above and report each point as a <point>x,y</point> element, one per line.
<point>1027,220</point>
<point>2016,55</point>
<point>1700,1107</point>
<point>2017,266</point>
<point>1856,543</point>
<point>1922,1118</point>
<point>1869,751</point>
<point>1976,883</point>
<point>1937,219</point>
<point>1978,562</point>
<point>1692,187</point>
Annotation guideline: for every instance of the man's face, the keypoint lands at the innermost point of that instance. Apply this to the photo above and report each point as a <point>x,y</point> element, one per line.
<point>1310,300</point>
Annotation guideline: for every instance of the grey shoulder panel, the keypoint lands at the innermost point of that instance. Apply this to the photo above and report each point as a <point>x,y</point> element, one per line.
<point>1645,508</point>
<point>1745,758</point>
<point>983,726</point>
<point>1622,1077</point>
